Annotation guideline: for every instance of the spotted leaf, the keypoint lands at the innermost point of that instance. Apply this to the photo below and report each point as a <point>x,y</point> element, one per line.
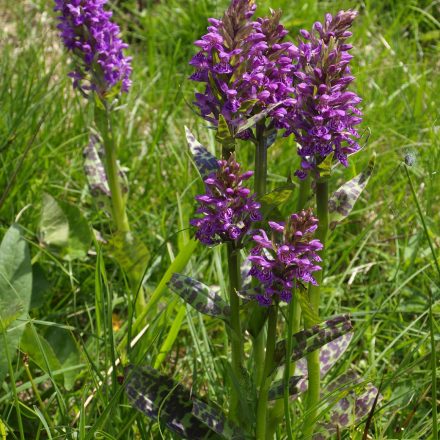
<point>168,402</point>
<point>94,169</point>
<point>357,401</point>
<point>277,389</point>
<point>199,296</point>
<point>258,117</point>
<point>205,162</point>
<point>343,200</point>
<point>309,340</point>
<point>328,356</point>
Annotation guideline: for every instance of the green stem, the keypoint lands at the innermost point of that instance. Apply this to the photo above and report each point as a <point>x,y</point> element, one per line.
<point>281,405</point>
<point>293,324</point>
<point>236,334</point>
<point>266,380</point>
<point>313,367</point>
<point>260,162</point>
<point>260,180</point>
<point>104,123</point>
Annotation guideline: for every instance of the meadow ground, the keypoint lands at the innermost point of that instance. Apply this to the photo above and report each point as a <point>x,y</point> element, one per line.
<point>381,268</point>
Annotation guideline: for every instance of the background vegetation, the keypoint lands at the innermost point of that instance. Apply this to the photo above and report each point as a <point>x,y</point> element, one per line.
<point>381,269</point>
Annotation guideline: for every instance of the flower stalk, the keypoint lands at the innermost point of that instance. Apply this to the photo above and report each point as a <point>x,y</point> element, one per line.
<point>313,366</point>
<point>237,353</point>
<point>266,380</point>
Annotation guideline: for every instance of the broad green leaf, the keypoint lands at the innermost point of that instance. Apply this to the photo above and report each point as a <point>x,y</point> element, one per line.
<point>131,254</point>
<point>80,235</point>
<point>39,350</point>
<point>40,286</point>
<point>205,162</point>
<point>54,226</point>
<point>199,296</point>
<point>309,340</point>
<point>66,351</point>
<point>343,200</point>
<point>15,289</point>
<point>64,228</point>
<point>168,402</point>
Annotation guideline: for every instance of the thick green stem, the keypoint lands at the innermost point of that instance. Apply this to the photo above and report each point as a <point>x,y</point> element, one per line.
<point>266,380</point>
<point>260,180</point>
<point>281,406</point>
<point>104,123</point>
<point>313,367</point>
<point>260,162</point>
<point>236,334</point>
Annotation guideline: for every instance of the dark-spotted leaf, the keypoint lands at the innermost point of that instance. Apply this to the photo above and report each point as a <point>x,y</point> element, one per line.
<point>130,253</point>
<point>252,121</point>
<point>356,402</point>
<point>277,389</point>
<point>328,356</point>
<point>217,421</point>
<point>168,402</point>
<point>309,340</point>
<point>199,296</point>
<point>15,292</point>
<point>94,169</point>
<point>205,162</point>
<point>343,200</point>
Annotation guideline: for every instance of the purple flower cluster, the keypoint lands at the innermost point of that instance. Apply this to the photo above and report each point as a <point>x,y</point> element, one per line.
<point>245,65</point>
<point>326,113</point>
<point>87,31</point>
<point>228,208</point>
<point>280,265</point>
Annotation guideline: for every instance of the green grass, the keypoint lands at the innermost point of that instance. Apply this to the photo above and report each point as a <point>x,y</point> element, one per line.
<point>381,268</point>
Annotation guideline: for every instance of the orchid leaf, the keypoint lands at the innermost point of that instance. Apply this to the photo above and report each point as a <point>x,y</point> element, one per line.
<point>270,136</point>
<point>325,167</point>
<point>205,162</point>
<point>199,296</point>
<point>328,356</point>
<point>216,420</point>
<point>309,340</point>
<point>16,290</point>
<point>279,195</point>
<point>94,169</point>
<point>306,307</point>
<point>168,402</point>
<point>277,389</point>
<point>357,401</point>
<point>224,135</point>
<point>343,200</point>
<point>252,121</point>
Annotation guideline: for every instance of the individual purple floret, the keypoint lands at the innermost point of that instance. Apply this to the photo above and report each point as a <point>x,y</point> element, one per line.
<point>326,113</point>
<point>246,66</point>
<point>288,259</point>
<point>227,207</point>
<point>88,33</point>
